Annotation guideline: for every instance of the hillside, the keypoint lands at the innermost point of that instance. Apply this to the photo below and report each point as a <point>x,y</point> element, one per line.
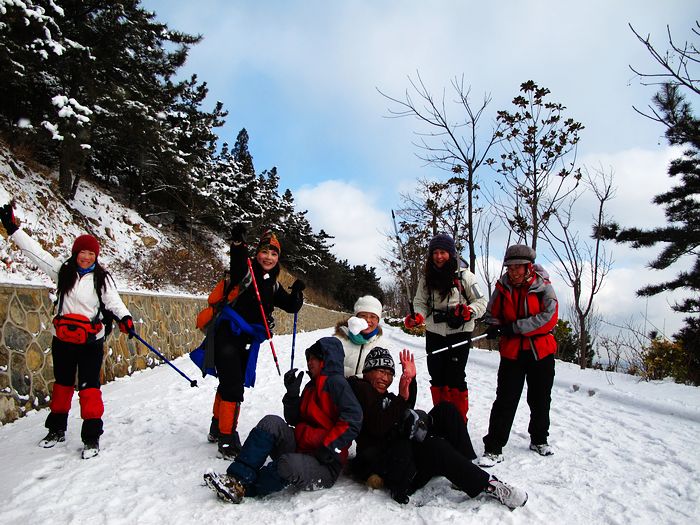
<point>140,254</point>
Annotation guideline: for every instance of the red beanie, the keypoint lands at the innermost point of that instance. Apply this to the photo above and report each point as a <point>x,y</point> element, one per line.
<point>86,242</point>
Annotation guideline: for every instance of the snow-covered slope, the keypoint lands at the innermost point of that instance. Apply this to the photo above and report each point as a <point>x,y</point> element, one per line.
<point>625,452</point>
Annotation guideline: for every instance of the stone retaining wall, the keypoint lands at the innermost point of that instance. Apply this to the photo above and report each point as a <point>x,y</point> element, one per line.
<point>165,322</point>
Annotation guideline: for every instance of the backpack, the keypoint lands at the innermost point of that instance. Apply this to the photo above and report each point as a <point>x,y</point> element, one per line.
<point>224,293</point>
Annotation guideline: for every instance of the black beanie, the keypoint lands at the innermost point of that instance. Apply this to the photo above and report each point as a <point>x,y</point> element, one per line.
<point>379,357</point>
<point>443,241</point>
<point>315,350</point>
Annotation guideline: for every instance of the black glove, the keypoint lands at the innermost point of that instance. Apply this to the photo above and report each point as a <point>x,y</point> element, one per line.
<point>507,329</point>
<point>126,326</point>
<point>298,286</point>
<point>7,215</point>
<point>329,458</point>
<point>292,382</point>
<point>493,331</point>
<point>415,425</point>
<point>238,233</point>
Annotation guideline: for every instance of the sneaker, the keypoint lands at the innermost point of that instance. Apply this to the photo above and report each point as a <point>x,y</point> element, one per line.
<point>229,445</point>
<point>511,497</point>
<point>213,435</point>
<point>90,449</point>
<point>227,487</point>
<point>542,449</point>
<point>53,437</point>
<point>375,481</point>
<point>489,459</point>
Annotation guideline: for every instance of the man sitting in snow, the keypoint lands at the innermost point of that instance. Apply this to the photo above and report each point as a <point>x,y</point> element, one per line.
<point>403,448</point>
<point>326,418</point>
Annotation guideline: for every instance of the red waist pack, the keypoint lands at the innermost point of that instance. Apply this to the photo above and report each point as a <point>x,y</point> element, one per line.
<point>76,329</point>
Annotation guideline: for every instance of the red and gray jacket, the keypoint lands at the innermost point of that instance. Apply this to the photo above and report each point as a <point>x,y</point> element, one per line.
<point>327,413</point>
<point>532,311</point>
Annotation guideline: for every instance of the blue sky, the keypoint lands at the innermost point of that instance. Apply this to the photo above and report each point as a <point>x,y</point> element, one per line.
<point>302,78</point>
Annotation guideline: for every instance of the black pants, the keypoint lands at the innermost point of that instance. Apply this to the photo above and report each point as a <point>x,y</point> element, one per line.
<point>85,359</point>
<point>448,368</point>
<point>512,374</point>
<point>408,465</point>
<point>231,359</point>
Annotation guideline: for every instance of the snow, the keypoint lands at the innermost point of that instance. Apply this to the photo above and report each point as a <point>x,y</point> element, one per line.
<point>626,451</point>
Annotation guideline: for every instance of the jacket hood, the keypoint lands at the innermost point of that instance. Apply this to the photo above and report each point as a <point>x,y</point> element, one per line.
<point>333,355</point>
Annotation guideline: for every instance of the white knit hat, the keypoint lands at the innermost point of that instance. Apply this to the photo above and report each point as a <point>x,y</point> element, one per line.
<point>370,304</point>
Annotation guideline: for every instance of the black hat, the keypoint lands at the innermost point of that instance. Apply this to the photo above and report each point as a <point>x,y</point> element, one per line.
<point>443,241</point>
<point>379,357</point>
<point>315,350</point>
<point>519,254</point>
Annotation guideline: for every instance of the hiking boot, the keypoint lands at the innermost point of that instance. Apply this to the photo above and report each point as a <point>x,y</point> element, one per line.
<point>229,445</point>
<point>227,487</point>
<point>213,435</point>
<point>510,496</point>
<point>375,481</point>
<point>90,448</point>
<point>53,437</point>
<point>542,449</point>
<point>489,459</point>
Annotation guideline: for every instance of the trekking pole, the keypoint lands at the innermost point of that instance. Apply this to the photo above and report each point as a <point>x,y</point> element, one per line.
<point>193,382</point>
<point>262,312</point>
<point>403,265</point>
<point>294,338</point>
<point>450,347</point>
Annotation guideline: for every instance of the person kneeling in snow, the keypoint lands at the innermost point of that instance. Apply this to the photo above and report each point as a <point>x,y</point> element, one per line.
<point>402,448</point>
<point>326,417</point>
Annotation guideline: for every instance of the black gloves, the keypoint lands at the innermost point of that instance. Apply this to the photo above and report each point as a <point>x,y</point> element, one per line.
<point>292,382</point>
<point>126,326</point>
<point>493,331</point>
<point>298,286</point>
<point>507,329</point>
<point>415,425</point>
<point>329,458</point>
<point>7,215</point>
<point>238,233</point>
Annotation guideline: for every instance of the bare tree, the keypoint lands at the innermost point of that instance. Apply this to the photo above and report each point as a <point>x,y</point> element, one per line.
<point>537,142</point>
<point>453,145</point>
<point>675,63</point>
<point>583,265</point>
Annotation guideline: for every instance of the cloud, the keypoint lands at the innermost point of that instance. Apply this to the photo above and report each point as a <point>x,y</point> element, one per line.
<point>351,215</point>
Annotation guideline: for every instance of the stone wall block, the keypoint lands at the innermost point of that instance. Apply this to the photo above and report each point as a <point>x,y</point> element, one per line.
<point>21,380</point>
<point>17,313</point>
<point>16,338</point>
<point>34,357</point>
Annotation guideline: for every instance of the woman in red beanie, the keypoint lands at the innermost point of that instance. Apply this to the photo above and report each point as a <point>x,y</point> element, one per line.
<point>84,288</point>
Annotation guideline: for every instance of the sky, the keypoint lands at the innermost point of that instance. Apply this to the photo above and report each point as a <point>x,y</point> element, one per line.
<point>304,79</point>
<point>625,451</point>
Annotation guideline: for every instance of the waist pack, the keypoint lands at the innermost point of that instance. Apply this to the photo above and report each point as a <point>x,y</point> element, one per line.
<point>76,328</point>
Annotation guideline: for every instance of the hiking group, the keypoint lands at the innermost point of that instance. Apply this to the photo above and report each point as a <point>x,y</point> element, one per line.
<point>398,446</point>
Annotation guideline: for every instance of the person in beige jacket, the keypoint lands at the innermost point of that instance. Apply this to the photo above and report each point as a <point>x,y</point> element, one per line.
<point>448,300</point>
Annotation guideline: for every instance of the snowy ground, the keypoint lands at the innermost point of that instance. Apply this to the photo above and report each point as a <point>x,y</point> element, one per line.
<point>626,452</point>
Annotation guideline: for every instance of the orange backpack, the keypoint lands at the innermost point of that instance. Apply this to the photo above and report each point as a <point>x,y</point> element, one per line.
<point>217,301</point>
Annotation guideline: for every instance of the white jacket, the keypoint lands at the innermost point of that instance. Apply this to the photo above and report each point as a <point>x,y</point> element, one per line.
<point>82,298</point>
<point>355,354</point>
<point>427,301</point>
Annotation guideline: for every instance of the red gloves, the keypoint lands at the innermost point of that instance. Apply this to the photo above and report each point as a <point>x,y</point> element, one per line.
<point>411,321</point>
<point>464,311</point>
